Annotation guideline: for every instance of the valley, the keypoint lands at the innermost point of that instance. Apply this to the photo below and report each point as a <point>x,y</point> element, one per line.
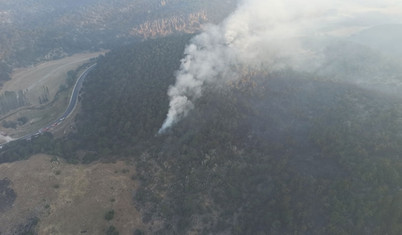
<point>46,89</point>
<point>200,117</point>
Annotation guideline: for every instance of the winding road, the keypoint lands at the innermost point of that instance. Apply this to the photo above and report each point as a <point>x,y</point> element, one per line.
<point>70,108</point>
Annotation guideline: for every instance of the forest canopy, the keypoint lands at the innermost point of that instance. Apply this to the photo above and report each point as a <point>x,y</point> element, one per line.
<point>278,153</point>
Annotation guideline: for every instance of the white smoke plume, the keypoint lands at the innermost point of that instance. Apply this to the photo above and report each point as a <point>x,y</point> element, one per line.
<point>269,34</point>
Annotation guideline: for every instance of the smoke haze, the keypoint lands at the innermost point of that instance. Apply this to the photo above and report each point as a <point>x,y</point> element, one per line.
<point>269,35</point>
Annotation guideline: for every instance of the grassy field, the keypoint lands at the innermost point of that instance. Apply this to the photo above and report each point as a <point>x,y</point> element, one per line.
<point>70,199</point>
<point>32,81</point>
<point>38,116</point>
<point>50,74</point>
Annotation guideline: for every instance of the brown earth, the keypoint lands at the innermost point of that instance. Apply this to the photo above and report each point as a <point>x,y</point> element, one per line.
<point>69,199</point>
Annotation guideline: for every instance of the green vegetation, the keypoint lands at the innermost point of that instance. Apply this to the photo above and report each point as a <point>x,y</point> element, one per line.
<point>5,71</point>
<point>22,149</point>
<point>138,232</point>
<point>13,124</point>
<point>29,227</point>
<point>282,153</point>
<point>109,215</point>
<point>22,120</point>
<point>64,30</point>
<point>10,100</point>
<point>9,124</point>
<point>112,231</point>
<point>44,96</point>
<point>286,154</point>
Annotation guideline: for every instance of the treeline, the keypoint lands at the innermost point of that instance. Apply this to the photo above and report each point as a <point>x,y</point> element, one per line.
<point>69,28</point>
<point>125,105</point>
<point>291,155</point>
<point>11,100</point>
<point>295,156</point>
<point>23,149</point>
<point>280,154</point>
<point>13,124</point>
<point>44,97</point>
<point>5,72</point>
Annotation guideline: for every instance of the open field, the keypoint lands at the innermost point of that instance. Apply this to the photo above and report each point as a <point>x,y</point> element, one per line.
<point>50,74</point>
<point>69,199</point>
<point>32,81</point>
<point>38,116</point>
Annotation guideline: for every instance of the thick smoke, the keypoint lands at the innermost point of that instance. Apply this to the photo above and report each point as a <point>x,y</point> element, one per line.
<point>269,35</point>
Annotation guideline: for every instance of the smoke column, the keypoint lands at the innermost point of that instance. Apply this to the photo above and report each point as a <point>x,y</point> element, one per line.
<point>268,34</point>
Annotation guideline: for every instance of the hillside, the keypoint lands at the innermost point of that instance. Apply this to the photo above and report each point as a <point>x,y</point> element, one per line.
<point>384,38</point>
<point>45,195</point>
<point>52,29</point>
<point>355,63</point>
<point>281,153</point>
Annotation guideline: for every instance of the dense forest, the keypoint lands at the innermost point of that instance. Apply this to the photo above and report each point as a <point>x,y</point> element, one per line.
<point>283,153</point>
<point>36,31</point>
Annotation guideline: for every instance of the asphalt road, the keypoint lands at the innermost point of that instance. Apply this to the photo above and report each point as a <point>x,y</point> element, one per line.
<point>76,91</point>
<point>70,108</point>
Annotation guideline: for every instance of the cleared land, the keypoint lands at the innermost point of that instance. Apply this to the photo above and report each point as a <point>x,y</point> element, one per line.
<point>70,199</point>
<point>32,81</point>
<point>50,74</point>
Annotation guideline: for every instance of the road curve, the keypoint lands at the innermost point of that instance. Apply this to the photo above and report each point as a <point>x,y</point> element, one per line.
<point>70,108</point>
<point>76,91</point>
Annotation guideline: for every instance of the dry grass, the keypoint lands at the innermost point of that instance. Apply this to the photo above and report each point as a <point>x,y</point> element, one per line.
<point>51,74</point>
<point>69,199</point>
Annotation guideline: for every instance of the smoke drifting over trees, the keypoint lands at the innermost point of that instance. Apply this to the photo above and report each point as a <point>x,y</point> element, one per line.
<point>269,36</point>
